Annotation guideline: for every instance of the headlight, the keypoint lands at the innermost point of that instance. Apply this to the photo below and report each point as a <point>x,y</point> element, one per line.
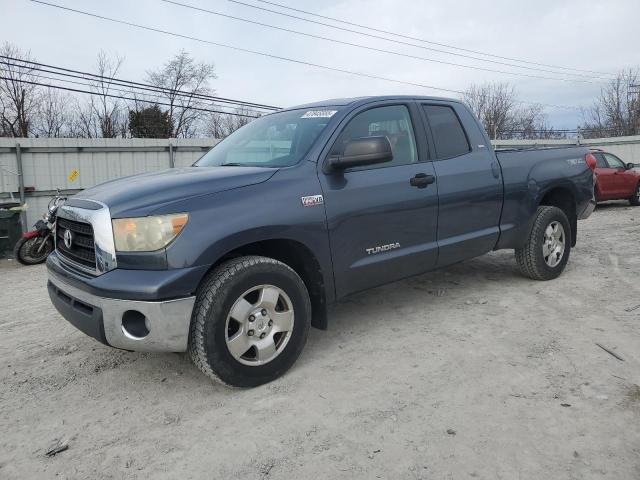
<point>146,234</point>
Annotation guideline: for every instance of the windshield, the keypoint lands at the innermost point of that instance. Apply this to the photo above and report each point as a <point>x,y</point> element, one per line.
<point>276,140</point>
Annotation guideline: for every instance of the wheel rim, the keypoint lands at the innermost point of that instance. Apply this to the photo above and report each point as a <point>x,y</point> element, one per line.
<point>259,325</point>
<point>553,244</point>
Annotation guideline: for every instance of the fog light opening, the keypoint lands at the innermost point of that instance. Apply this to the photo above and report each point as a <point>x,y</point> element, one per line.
<point>135,325</point>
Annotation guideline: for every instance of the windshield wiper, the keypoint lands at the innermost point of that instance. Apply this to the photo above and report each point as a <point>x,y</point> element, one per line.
<point>233,164</point>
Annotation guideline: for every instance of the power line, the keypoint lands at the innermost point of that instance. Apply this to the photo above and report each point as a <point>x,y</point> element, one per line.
<point>58,87</point>
<point>402,42</point>
<point>269,55</point>
<point>477,52</point>
<point>368,47</point>
<point>136,99</point>
<point>123,83</point>
<point>146,85</point>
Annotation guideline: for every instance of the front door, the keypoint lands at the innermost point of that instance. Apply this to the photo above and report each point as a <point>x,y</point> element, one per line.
<point>381,228</point>
<point>624,180</point>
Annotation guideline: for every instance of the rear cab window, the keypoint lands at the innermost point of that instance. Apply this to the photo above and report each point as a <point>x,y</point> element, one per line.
<point>449,137</point>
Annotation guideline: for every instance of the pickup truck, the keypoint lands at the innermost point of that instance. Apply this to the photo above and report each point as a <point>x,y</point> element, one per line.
<point>234,258</point>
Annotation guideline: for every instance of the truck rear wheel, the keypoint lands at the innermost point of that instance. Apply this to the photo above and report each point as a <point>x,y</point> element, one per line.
<point>546,252</point>
<point>250,321</point>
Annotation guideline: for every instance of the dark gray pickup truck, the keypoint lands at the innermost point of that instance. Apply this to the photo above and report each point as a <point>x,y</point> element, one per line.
<point>234,258</point>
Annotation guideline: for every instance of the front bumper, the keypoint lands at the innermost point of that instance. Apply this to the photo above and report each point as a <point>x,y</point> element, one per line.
<point>166,324</point>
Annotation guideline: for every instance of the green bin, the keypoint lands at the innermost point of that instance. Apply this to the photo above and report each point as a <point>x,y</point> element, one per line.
<point>10,226</point>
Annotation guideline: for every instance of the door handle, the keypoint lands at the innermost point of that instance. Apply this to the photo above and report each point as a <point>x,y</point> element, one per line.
<point>422,180</point>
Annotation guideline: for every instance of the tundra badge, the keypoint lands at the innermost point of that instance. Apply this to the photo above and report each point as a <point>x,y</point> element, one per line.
<point>312,200</point>
<point>382,248</point>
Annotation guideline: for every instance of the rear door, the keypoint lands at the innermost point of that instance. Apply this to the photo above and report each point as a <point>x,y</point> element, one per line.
<point>469,183</point>
<point>381,228</point>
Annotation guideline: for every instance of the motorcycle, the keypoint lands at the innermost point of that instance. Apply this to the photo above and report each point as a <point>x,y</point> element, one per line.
<point>35,246</point>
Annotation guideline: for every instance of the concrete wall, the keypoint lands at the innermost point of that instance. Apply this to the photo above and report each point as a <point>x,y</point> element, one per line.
<point>48,162</point>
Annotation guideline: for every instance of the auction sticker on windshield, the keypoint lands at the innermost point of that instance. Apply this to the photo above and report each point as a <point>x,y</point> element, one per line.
<point>319,114</point>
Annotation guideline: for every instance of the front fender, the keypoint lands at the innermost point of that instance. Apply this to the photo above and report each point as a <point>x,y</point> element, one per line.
<point>273,210</point>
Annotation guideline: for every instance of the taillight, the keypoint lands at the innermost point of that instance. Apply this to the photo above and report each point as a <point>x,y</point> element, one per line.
<point>591,161</point>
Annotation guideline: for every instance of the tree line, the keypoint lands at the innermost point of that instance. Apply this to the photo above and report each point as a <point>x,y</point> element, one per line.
<point>178,104</point>
<point>614,113</point>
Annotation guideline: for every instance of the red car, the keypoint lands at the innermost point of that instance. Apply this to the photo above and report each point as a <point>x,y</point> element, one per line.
<point>616,180</point>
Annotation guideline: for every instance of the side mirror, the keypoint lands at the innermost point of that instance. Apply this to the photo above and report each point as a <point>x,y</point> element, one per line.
<point>630,166</point>
<point>360,152</point>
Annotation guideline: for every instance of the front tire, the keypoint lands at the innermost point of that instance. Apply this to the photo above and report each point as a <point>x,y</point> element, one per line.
<point>26,250</point>
<point>635,200</point>
<point>250,321</point>
<point>547,250</point>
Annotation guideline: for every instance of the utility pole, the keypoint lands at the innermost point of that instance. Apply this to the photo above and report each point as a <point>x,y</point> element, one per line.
<point>633,101</point>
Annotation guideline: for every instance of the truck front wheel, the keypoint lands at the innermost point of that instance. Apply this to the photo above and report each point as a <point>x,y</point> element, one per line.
<point>250,321</point>
<point>546,252</point>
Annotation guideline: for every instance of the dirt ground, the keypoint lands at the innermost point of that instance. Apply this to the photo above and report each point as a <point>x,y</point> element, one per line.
<point>467,372</point>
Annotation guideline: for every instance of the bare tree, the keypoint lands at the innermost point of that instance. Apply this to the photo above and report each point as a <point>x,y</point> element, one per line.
<point>4,129</point>
<point>220,125</point>
<point>110,113</point>
<point>494,104</point>
<point>84,122</point>
<point>18,93</point>
<point>530,122</point>
<point>504,116</point>
<point>616,112</point>
<point>216,126</point>
<point>183,81</point>
<point>54,117</point>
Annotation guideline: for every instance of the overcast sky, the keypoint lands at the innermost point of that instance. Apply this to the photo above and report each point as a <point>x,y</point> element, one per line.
<point>592,35</point>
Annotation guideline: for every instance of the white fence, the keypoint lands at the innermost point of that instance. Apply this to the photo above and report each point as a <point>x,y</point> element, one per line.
<point>627,148</point>
<point>41,165</point>
<point>48,163</point>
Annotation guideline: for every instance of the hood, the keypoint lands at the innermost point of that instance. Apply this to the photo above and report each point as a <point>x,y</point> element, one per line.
<point>138,195</point>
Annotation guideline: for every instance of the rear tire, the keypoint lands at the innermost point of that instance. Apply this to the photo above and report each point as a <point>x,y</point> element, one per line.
<point>635,200</point>
<point>237,335</point>
<point>547,250</point>
<point>25,250</point>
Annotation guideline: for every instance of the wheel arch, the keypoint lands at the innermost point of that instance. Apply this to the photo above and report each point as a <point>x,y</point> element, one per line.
<point>564,199</point>
<point>297,256</point>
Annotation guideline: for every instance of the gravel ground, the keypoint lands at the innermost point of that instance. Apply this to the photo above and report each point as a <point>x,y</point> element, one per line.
<point>467,372</point>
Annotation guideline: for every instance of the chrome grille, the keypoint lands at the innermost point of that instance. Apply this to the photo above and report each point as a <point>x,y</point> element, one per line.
<point>82,249</point>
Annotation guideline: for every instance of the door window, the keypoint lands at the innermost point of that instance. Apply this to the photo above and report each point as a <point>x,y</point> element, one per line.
<point>614,162</point>
<point>449,136</point>
<point>600,161</point>
<point>393,122</point>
